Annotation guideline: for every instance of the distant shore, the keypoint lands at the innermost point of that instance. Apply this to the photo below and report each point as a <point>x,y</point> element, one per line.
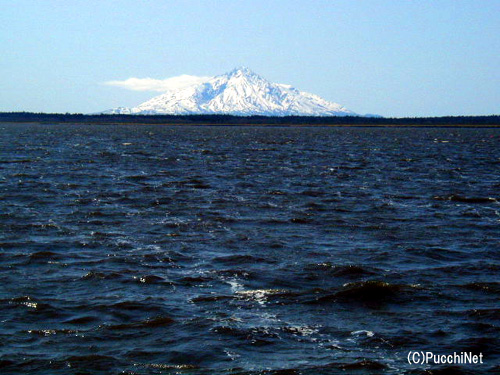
<point>492,121</point>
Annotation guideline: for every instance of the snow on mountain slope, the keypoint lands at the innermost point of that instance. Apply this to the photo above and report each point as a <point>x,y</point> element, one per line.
<point>239,92</point>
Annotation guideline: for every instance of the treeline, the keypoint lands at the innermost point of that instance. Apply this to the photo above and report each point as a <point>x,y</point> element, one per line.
<point>72,118</point>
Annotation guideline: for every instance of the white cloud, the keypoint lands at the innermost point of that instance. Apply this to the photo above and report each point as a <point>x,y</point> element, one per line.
<point>161,85</point>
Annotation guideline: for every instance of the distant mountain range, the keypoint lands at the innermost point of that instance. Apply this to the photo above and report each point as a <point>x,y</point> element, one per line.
<point>240,92</point>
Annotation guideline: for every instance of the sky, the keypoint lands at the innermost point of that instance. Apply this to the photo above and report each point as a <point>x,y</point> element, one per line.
<point>386,57</point>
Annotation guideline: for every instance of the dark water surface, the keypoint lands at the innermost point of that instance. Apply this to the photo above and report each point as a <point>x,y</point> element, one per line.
<point>226,250</point>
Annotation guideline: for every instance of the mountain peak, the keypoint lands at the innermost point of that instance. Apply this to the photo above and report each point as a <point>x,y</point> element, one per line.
<point>241,71</point>
<point>238,92</point>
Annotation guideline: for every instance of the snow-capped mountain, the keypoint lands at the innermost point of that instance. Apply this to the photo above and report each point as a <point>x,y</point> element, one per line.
<point>239,92</point>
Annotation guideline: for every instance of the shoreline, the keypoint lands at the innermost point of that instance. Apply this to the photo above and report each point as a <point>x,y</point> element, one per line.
<point>492,121</point>
<point>229,125</point>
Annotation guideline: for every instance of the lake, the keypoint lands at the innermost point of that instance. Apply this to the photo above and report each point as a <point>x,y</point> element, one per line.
<point>247,250</point>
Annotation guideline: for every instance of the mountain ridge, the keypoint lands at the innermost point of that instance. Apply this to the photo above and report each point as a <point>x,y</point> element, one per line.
<point>239,92</point>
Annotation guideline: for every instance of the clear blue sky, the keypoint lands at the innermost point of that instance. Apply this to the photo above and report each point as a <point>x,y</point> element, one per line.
<point>394,58</point>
